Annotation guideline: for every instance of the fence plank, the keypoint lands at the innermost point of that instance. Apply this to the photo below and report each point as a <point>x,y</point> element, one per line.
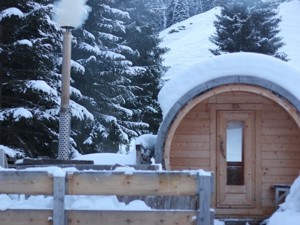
<point>26,217</point>
<point>25,182</point>
<point>138,183</point>
<point>131,217</point>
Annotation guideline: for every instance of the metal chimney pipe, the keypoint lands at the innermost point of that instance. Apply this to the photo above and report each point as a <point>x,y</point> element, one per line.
<point>64,144</point>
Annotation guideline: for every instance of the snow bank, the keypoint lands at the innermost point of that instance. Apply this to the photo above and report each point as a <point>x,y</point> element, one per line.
<point>234,64</point>
<point>110,158</point>
<point>289,211</point>
<point>11,152</point>
<point>148,141</point>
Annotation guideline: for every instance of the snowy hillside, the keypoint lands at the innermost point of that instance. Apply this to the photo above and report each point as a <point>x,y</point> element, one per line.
<point>188,41</point>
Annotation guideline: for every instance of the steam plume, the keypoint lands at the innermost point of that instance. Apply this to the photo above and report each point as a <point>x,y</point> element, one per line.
<point>71,12</point>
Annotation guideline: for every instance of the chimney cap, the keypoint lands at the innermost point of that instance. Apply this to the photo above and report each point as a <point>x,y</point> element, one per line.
<point>68,28</point>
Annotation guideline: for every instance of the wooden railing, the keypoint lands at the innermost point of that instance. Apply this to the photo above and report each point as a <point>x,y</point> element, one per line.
<point>146,183</point>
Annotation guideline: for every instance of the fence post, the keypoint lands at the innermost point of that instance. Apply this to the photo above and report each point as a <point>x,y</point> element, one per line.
<point>3,160</point>
<point>138,149</point>
<point>204,191</point>
<point>59,190</point>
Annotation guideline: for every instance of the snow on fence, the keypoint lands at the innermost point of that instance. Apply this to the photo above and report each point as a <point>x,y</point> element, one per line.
<point>143,183</point>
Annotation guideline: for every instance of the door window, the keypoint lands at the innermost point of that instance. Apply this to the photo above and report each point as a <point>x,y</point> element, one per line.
<point>234,152</point>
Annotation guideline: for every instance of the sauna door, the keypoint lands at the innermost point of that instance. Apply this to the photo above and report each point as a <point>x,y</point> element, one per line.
<point>235,159</point>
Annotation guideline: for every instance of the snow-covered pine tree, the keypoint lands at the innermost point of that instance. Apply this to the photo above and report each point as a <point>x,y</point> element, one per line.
<point>104,79</point>
<point>151,12</point>
<point>177,11</point>
<point>32,47</point>
<point>29,84</point>
<point>195,6</point>
<point>141,37</point>
<point>181,11</point>
<point>207,5</point>
<point>248,26</point>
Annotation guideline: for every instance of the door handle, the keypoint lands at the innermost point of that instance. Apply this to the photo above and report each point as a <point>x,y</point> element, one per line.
<point>223,149</point>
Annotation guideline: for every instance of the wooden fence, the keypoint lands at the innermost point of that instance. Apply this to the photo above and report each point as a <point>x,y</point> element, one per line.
<point>147,183</point>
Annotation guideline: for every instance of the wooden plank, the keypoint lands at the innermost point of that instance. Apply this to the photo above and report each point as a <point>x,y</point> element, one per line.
<point>188,167</point>
<point>192,130</point>
<point>285,147</point>
<point>238,212</point>
<point>198,115</point>
<point>203,146</point>
<point>272,107</point>
<point>278,123</point>
<point>269,203</point>
<point>278,139</point>
<point>240,99</point>
<point>275,115</point>
<point>25,182</point>
<point>213,152</point>
<point>241,107</point>
<point>270,195</point>
<point>191,122</point>
<point>189,153</point>
<point>281,163</point>
<point>237,93</point>
<point>137,183</point>
<point>257,178</point>
<point>285,131</point>
<point>191,138</point>
<point>280,171</point>
<point>280,155</point>
<point>199,163</point>
<point>175,217</point>
<point>203,107</point>
<point>25,217</point>
<point>278,179</point>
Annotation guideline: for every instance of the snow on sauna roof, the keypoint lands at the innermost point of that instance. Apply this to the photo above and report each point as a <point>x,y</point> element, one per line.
<point>234,64</point>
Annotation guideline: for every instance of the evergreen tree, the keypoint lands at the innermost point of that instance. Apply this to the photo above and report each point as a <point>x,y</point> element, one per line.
<point>115,77</point>
<point>32,47</point>
<point>177,11</point>
<point>149,12</point>
<point>248,26</point>
<point>181,11</point>
<point>145,42</point>
<point>196,7</point>
<point>29,83</point>
<point>105,82</point>
<point>207,5</point>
